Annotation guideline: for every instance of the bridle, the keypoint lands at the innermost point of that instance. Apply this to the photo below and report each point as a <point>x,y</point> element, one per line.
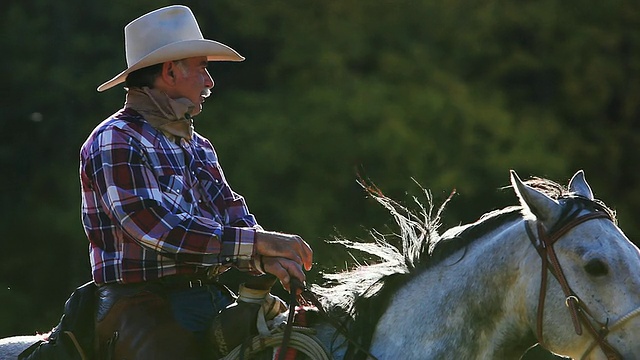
<point>580,314</point>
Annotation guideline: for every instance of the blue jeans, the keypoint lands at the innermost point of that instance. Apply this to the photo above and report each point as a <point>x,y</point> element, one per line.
<point>195,308</point>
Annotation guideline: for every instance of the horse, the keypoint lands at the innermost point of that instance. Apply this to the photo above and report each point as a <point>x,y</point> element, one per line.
<point>555,270</point>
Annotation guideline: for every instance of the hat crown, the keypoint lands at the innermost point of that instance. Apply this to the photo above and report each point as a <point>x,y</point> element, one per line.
<point>159,28</point>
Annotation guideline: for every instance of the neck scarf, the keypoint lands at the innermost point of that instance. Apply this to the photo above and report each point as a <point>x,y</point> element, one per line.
<point>171,116</point>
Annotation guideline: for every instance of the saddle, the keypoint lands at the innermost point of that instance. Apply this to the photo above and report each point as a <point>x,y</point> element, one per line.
<point>247,316</point>
<point>255,326</point>
<point>78,336</point>
<point>72,338</point>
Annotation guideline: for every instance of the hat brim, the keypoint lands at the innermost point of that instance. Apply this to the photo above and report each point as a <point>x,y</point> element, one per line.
<point>213,50</point>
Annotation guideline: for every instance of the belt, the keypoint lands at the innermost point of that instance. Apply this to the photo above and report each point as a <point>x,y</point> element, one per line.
<point>165,283</point>
<point>183,282</point>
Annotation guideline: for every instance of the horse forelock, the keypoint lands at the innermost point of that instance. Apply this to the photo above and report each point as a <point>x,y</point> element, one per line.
<point>570,199</point>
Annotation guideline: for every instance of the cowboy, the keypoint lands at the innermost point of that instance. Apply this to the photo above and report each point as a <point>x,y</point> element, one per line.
<point>161,219</point>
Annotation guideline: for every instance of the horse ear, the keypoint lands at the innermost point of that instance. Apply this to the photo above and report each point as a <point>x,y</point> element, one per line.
<point>578,185</point>
<point>534,202</point>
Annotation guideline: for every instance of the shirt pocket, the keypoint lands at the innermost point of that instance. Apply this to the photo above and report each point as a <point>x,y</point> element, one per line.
<point>176,196</point>
<point>211,185</point>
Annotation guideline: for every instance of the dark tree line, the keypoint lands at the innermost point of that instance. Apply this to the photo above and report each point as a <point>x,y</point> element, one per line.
<point>452,94</point>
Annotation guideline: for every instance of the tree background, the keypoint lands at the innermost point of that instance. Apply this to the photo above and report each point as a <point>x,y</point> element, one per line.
<point>451,94</point>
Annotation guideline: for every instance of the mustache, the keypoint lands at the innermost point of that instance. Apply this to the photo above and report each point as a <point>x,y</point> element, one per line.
<point>206,93</point>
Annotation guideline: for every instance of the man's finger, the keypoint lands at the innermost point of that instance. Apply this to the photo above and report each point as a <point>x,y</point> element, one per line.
<point>284,270</point>
<point>307,255</point>
<point>273,266</point>
<point>293,269</point>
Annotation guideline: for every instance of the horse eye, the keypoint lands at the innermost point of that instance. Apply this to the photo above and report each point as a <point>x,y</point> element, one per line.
<point>596,267</point>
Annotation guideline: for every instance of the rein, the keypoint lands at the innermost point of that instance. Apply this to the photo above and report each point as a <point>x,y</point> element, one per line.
<point>308,297</point>
<point>580,314</point>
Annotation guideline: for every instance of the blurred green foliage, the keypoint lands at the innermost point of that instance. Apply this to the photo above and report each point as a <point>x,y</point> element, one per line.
<point>452,94</point>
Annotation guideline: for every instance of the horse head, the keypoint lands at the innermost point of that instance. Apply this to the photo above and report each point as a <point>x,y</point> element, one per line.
<point>589,307</point>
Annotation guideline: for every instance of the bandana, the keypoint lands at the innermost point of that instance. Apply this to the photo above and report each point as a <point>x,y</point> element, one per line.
<point>171,116</point>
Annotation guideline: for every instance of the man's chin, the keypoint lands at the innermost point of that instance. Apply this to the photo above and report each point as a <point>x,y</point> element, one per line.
<point>196,110</point>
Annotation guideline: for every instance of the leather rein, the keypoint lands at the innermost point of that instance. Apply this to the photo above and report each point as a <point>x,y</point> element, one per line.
<point>308,297</point>
<point>580,314</point>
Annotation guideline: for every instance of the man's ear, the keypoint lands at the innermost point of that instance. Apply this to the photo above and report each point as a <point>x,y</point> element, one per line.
<point>168,72</point>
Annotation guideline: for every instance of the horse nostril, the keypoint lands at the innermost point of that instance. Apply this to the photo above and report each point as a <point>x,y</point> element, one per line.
<point>596,267</point>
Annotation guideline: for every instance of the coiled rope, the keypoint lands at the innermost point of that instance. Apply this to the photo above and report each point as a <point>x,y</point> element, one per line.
<point>302,339</point>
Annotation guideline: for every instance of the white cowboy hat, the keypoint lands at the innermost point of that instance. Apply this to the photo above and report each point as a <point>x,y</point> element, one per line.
<point>166,34</point>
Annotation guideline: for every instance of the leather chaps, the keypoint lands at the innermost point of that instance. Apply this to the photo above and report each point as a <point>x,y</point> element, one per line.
<point>136,322</point>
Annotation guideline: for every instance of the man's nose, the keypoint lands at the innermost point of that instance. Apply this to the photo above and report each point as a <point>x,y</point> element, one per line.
<point>208,81</point>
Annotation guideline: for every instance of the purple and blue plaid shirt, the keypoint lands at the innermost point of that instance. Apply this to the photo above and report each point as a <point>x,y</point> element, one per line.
<point>152,208</point>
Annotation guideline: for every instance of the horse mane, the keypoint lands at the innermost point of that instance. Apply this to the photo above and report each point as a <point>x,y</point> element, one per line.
<point>361,295</point>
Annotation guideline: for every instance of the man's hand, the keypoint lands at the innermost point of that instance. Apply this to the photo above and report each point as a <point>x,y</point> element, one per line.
<point>283,255</point>
<point>284,270</point>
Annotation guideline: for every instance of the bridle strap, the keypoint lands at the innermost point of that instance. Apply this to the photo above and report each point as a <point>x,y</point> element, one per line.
<point>578,311</point>
<point>613,326</point>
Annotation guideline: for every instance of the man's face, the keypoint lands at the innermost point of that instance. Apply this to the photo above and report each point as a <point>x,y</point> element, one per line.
<point>192,81</point>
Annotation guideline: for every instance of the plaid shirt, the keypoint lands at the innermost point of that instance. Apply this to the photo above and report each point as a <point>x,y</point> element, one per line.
<point>152,208</point>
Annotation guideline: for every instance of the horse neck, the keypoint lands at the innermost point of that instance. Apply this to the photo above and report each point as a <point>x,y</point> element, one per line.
<point>470,305</point>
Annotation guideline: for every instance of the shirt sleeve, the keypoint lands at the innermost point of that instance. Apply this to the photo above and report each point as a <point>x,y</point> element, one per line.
<point>130,193</point>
